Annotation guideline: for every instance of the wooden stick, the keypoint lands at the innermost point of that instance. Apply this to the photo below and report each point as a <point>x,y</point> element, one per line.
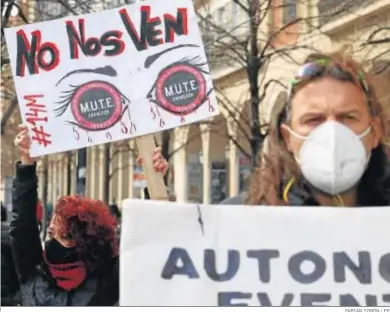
<point>155,180</point>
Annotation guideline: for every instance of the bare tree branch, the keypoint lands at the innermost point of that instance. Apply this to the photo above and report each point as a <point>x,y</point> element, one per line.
<point>8,113</point>
<point>241,5</point>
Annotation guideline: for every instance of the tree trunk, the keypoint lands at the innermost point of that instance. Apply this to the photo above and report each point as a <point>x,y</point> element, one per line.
<point>107,177</point>
<point>166,137</point>
<point>81,172</point>
<point>69,173</point>
<point>255,127</point>
<point>253,69</point>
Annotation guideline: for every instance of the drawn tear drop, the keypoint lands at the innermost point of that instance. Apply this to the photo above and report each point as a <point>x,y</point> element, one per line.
<point>76,134</point>
<point>162,123</point>
<point>153,113</point>
<point>133,128</point>
<point>211,107</point>
<point>124,129</point>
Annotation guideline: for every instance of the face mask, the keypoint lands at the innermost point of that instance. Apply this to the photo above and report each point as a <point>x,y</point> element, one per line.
<point>64,265</point>
<point>332,157</point>
<point>57,254</point>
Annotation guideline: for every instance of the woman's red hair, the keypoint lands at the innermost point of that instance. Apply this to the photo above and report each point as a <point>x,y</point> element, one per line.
<point>90,225</point>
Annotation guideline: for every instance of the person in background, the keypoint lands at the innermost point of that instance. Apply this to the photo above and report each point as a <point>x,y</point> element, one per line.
<point>115,210</point>
<point>49,208</point>
<point>3,213</point>
<point>329,144</point>
<point>10,288</point>
<point>79,265</point>
<point>39,214</point>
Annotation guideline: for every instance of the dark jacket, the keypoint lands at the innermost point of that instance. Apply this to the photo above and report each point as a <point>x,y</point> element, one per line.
<point>3,213</point>
<point>115,211</point>
<point>38,288</point>
<point>10,294</point>
<point>235,200</point>
<point>299,195</point>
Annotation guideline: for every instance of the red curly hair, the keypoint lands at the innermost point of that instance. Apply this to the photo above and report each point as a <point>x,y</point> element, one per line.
<point>90,225</point>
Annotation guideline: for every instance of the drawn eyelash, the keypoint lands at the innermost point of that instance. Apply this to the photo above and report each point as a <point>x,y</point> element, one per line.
<point>66,99</point>
<point>67,96</point>
<point>195,62</point>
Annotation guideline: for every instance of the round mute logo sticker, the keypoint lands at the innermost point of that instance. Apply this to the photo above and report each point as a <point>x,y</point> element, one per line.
<point>181,89</point>
<point>97,105</point>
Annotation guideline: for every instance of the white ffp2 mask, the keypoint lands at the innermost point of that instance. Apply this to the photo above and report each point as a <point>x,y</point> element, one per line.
<point>332,157</point>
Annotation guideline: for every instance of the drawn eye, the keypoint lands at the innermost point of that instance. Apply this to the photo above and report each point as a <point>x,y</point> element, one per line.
<point>95,105</point>
<point>181,87</point>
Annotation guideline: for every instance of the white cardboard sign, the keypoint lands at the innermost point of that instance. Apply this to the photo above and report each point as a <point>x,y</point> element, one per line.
<point>188,255</point>
<point>101,77</point>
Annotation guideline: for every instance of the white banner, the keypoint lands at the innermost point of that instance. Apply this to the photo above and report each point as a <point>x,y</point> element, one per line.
<point>108,76</point>
<point>189,255</point>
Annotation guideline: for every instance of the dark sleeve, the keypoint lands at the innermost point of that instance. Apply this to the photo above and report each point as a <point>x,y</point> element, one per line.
<point>25,240</point>
<point>146,193</point>
<point>236,200</point>
<point>115,281</point>
<point>117,212</point>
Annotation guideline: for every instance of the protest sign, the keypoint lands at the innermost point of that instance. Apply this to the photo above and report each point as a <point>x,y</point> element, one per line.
<point>189,255</point>
<point>101,77</point>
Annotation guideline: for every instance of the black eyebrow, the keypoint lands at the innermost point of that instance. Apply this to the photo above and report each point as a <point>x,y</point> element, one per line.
<point>151,59</point>
<point>106,70</point>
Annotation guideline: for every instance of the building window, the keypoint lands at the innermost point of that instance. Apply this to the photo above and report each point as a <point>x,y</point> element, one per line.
<point>289,11</point>
<point>221,15</point>
<point>234,15</point>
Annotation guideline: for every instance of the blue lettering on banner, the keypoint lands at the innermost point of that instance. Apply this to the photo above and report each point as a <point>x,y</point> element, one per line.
<point>180,263</point>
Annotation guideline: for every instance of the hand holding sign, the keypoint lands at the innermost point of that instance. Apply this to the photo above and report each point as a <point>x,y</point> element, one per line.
<point>155,180</point>
<point>155,167</point>
<point>23,143</point>
<point>159,162</point>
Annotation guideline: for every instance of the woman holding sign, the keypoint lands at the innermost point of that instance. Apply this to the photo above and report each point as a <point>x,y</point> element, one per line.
<point>327,144</point>
<point>79,265</point>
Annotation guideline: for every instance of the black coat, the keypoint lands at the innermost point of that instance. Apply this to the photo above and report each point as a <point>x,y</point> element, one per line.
<point>115,211</point>
<point>10,295</point>
<point>38,288</point>
<point>370,195</point>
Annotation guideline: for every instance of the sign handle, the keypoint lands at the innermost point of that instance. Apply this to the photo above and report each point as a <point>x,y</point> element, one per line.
<point>155,180</point>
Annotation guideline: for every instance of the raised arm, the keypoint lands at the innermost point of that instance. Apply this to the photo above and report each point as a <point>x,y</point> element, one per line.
<point>24,234</point>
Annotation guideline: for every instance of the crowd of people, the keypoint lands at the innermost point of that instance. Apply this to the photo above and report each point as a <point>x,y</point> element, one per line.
<point>326,147</point>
